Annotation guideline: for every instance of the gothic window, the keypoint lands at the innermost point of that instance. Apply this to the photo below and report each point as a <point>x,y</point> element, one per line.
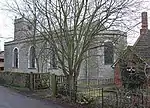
<point>108,53</point>
<point>15,62</point>
<point>32,57</point>
<point>54,61</point>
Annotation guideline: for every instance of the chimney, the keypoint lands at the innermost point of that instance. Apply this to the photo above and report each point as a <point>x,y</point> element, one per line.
<point>144,26</point>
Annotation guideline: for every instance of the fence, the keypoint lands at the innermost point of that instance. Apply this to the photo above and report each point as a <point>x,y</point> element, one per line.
<point>31,80</point>
<point>60,79</point>
<point>95,82</point>
<point>40,80</point>
<point>91,93</point>
<point>109,98</point>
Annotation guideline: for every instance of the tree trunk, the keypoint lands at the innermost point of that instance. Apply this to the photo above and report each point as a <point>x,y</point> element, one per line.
<point>72,87</point>
<point>70,82</point>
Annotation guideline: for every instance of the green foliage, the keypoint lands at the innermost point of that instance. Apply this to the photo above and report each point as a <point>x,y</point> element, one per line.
<point>2,81</point>
<point>62,89</point>
<point>85,99</point>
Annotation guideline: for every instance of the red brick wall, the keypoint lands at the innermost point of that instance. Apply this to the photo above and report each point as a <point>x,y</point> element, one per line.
<point>117,76</point>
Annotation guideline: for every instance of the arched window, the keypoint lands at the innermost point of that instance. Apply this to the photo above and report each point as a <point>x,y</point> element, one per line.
<point>15,61</point>
<point>32,57</point>
<point>108,53</point>
<point>54,60</point>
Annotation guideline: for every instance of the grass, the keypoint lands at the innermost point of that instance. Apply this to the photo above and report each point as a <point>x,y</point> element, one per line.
<point>94,88</point>
<point>94,92</point>
<point>91,92</point>
<point>92,83</point>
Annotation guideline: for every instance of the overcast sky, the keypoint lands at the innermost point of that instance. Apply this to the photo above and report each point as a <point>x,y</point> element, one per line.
<point>7,26</point>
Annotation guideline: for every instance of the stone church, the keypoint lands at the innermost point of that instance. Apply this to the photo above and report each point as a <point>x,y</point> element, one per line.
<point>19,53</point>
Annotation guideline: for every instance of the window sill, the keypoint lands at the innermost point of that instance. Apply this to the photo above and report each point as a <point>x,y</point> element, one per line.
<point>15,67</point>
<point>31,68</point>
<point>108,64</point>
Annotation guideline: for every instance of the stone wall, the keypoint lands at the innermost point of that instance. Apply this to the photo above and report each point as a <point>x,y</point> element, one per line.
<point>94,67</point>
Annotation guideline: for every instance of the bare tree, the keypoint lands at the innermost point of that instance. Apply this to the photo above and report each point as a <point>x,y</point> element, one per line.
<point>71,26</point>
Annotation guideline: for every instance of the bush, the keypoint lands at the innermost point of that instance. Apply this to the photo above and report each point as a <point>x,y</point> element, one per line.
<point>2,81</point>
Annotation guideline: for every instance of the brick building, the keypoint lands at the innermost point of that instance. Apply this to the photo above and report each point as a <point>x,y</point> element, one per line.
<point>137,57</point>
<point>1,60</point>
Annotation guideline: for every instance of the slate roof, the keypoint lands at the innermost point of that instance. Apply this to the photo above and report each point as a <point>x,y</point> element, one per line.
<point>142,47</point>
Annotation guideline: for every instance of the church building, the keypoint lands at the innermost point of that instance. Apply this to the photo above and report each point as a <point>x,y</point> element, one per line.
<point>20,53</point>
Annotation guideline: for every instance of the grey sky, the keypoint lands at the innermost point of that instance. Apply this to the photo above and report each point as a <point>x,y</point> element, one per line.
<point>6,27</point>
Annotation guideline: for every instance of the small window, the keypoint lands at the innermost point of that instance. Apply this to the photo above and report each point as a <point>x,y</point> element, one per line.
<point>16,58</point>
<point>1,68</point>
<point>108,53</point>
<point>1,60</point>
<point>32,57</point>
